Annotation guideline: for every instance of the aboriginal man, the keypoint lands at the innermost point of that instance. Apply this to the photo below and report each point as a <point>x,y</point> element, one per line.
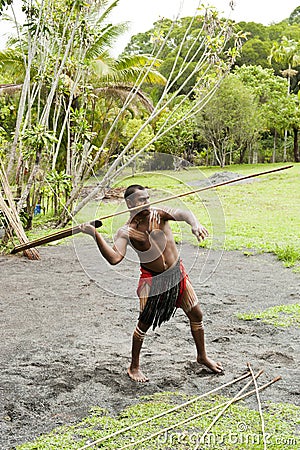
<point>164,285</point>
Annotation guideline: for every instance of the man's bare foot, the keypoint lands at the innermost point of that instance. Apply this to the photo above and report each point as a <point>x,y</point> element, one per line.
<point>216,367</point>
<point>137,375</point>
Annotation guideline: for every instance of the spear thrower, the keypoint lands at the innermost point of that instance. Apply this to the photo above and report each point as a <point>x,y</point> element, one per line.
<point>98,223</point>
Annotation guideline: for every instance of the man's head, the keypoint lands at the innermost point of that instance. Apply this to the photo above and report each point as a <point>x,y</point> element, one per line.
<point>136,195</point>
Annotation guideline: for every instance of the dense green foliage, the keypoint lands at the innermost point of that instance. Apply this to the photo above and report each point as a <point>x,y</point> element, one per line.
<point>256,50</point>
<point>71,92</point>
<point>230,121</point>
<point>268,67</point>
<point>261,39</point>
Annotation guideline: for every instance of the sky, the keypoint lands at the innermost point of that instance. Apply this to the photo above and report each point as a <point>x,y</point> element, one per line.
<point>142,13</point>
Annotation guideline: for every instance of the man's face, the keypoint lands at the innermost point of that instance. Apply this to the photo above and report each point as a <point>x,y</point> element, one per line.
<point>138,198</point>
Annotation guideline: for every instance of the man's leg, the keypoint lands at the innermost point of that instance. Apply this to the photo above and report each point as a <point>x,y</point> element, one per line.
<point>139,333</point>
<point>196,322</point>
<point>134,370</point>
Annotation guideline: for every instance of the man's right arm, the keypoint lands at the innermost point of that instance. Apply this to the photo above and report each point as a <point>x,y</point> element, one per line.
<point>114,254</point>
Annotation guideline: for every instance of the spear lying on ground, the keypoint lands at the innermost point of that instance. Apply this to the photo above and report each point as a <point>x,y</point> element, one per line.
<point>97,223</point>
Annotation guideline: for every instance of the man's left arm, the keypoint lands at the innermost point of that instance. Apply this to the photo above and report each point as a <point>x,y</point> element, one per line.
<point>180,215</point>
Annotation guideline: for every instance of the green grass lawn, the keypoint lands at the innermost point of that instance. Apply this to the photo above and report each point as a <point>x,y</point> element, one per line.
<point>263,215</point>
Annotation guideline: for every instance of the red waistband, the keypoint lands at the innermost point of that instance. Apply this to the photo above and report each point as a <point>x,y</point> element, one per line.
<point>147,275</point>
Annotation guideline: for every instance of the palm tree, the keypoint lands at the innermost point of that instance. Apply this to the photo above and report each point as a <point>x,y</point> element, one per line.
<point>60,60</point>
<point>101,68</point>
<point>287,52</point>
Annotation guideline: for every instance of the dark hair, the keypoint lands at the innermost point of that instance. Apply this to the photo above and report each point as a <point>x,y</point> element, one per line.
<point>131,190</point>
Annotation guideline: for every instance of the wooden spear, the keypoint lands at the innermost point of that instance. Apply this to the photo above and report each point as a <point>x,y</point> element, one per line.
<point>53,237</point>
<point>196,416</point>
<point>74,230</point>
<point>169,411</point>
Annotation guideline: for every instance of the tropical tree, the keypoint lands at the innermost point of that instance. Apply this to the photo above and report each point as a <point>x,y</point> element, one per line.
<point>287,52</point>
<point>180,140</point>
<point>180,43</point>
<point>130,129</point>
<point>261,39</point>
<point>65,65</point>
<point>270,93</point>
<point>230,122</point>
<point>257,48</point>
<point>295,16</point>
<point>213,56</point>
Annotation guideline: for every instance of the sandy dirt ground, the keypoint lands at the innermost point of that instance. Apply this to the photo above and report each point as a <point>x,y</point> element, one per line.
<point>66,324</point>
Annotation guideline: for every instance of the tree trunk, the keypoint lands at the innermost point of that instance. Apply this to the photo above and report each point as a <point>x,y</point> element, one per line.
<point>30,182</point>
<point>285,145</point>
<point>255,157</point>
<point>250,153</point>
<point>223,161</point>
<point>296,145</point>
<point>243,150</point>
<point>274,147</point>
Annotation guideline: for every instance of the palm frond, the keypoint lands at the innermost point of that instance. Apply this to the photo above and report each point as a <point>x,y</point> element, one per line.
<point>133,74</point>
<point>105,14</point>
<point>137,60</point>
<point>103,66</point>
<point>121,91</point>
<point>104,40</point>
<point>129,69</point>
<point>12,63</point>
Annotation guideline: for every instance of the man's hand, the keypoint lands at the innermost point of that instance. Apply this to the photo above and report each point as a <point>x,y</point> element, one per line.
<point>200,232</point>
<point>154,220</point>
<point>87,229</point>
